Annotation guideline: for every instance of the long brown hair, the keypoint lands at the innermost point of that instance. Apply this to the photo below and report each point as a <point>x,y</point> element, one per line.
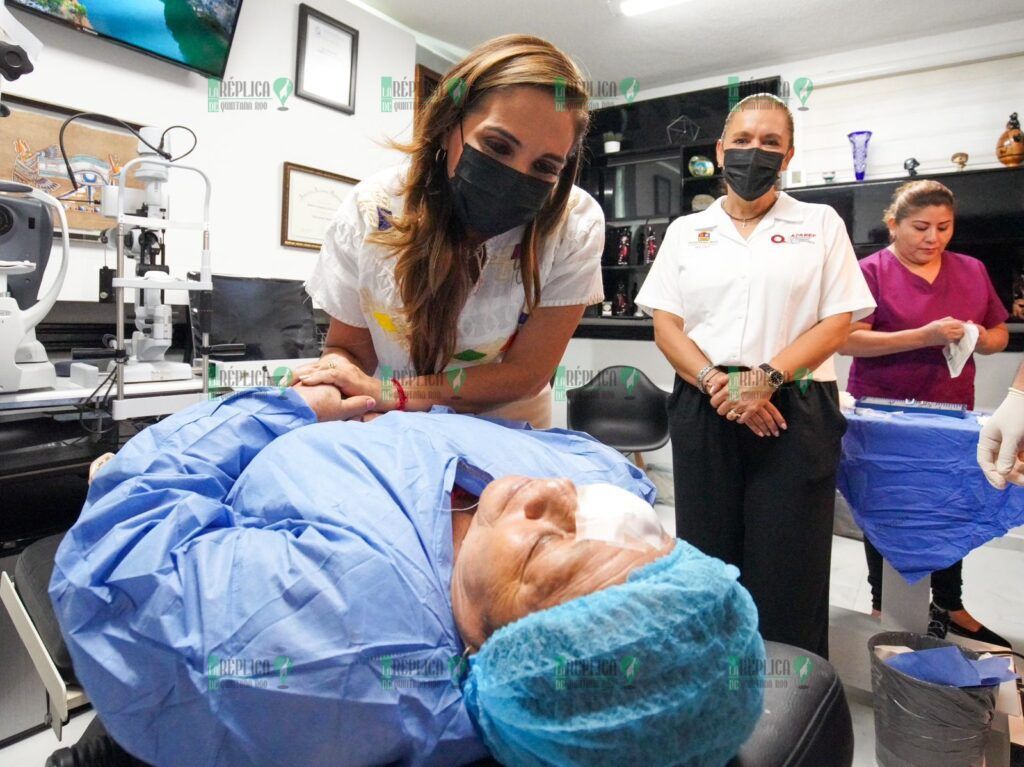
<point>432,269</point>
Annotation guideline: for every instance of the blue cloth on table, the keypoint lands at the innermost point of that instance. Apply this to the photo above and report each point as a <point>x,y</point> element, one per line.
<point>247,586</point>
<point>916,490</point>
<point>948,666</point>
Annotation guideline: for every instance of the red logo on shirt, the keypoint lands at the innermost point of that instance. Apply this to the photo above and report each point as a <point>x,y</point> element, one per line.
<point>778,239</point>
<point>704,236</point>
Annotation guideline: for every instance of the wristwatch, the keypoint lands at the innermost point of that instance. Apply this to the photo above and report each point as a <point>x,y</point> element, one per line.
<point>775,377</point>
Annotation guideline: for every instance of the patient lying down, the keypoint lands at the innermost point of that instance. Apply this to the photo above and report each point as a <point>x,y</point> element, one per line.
<point>263,579</point>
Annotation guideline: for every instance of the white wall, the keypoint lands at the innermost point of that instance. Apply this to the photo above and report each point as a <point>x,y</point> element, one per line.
<point>927,115</point>
<point>431,60</point>
<point>242,152</point>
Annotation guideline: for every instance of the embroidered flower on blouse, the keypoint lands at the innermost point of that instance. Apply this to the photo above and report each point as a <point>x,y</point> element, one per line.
<point>371,204</point>
<point>387,318</point>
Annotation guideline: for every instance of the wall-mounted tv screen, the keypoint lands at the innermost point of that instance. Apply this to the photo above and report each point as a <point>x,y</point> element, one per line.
<point>196,34</point>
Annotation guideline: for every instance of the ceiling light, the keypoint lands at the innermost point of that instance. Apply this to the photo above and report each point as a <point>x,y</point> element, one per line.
<point>636,7</point>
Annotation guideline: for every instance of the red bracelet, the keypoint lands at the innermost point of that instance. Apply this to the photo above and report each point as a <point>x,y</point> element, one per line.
<point>403,399</point>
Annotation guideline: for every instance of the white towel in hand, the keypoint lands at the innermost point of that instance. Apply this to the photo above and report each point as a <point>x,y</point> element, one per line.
<point>958,352</point>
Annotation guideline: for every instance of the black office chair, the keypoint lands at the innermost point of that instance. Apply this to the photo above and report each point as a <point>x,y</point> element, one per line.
<point>621,407</point>
<point>255,318</point>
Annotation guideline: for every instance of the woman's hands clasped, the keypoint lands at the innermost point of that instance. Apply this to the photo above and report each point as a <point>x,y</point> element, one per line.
<point>948,330</point>
<point>336,389</point>
<point>344,375</point>
<point>752,407</point>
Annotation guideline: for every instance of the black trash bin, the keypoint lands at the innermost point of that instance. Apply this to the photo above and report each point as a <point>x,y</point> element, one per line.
<point>920,724</point>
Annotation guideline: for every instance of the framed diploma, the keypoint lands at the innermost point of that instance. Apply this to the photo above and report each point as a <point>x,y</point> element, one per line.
<point>326,67</point>
<point>311,198</point>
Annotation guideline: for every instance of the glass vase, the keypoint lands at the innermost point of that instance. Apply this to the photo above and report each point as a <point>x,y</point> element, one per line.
<point>859,140</point>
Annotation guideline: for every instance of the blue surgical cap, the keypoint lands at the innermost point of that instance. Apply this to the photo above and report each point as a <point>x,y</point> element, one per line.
<point>645,672</point>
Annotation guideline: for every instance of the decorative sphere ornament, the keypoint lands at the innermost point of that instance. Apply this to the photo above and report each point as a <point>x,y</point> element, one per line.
<point>700,166</point>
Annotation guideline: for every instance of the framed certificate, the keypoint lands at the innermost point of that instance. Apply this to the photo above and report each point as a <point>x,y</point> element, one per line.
<point>311,198</point>
<point>326,67</point>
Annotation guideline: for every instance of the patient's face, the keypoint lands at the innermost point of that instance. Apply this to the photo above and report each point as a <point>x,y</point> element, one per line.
<point>521,555</point>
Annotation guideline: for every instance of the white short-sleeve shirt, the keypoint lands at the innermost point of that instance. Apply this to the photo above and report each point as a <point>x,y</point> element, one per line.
<point>744,301</point>
<point>354,282</point>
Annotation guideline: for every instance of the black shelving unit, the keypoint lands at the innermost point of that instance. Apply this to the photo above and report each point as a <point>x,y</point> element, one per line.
<point>693,185</point>
<point>647,185</point>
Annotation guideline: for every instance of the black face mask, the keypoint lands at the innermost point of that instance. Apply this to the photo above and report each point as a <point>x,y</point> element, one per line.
<point>490,197</point>
<point>751,172</point>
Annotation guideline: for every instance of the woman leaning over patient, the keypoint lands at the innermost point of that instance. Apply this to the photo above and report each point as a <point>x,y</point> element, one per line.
<point>458,277</point>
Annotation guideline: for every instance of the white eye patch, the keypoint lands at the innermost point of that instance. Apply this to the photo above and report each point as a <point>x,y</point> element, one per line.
<point>610,514</point>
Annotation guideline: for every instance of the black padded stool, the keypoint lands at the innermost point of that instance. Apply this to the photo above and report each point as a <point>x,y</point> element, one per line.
<point>32,572</point>
<point>807,726</point>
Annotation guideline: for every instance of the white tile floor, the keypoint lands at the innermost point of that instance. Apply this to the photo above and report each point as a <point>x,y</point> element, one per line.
<point>988,573</point>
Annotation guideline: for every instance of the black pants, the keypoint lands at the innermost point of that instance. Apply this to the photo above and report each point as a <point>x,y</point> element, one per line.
<point>947,584</point>
<point>764,504</point>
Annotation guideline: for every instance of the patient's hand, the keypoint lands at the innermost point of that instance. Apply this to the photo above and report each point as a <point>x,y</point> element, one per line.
<point>330,405</point>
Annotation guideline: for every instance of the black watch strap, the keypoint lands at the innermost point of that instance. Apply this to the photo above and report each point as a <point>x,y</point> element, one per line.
<point>775,377</point>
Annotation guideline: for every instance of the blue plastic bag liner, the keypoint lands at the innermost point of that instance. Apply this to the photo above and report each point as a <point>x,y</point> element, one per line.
<point>916,490</point>
<point>948,666</point>
<point>246,586</point>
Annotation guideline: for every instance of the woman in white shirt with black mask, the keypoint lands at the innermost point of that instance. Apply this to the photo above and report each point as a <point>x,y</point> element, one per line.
<point>458,276</point>
<point>750,299</point>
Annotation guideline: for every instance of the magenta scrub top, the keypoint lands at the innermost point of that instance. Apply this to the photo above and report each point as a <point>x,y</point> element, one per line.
<point>961,290</point>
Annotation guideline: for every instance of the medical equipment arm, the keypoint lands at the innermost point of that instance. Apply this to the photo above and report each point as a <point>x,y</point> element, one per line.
<point>19,48</point>
<point>35,314</point>
<point>23,363</point>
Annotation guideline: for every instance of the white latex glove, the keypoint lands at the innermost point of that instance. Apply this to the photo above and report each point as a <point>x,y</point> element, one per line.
<point>1000,441</point>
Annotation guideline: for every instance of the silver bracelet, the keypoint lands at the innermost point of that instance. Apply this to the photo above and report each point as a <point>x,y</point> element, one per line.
<point>704,371</point>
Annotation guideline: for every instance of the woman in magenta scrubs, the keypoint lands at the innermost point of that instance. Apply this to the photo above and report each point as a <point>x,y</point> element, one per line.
<point>926,295</point>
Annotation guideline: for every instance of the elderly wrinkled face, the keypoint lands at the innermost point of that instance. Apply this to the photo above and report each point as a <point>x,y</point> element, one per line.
<point>521,555</point>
